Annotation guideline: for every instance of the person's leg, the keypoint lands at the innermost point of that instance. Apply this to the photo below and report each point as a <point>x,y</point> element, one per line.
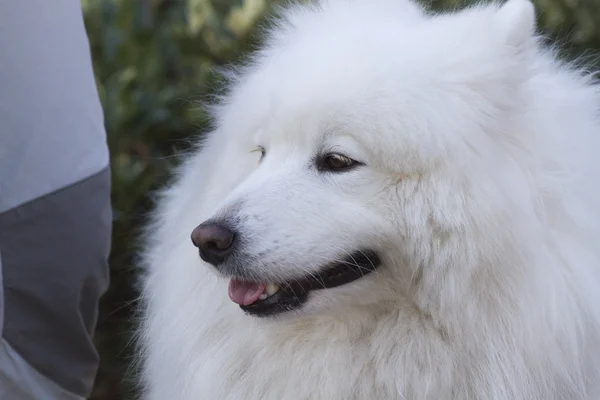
<point>53,259</point>
<point>55,217</point>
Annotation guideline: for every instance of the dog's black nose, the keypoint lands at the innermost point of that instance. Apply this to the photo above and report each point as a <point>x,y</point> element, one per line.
<point>214,241</point>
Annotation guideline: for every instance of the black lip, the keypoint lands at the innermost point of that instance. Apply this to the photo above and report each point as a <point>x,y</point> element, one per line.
<point>293,294</point>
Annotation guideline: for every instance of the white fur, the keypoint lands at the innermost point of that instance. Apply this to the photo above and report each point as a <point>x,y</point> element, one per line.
<point>481,192</point>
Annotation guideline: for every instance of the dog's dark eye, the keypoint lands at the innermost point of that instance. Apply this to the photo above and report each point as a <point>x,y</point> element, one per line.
<point>334,162</point>
<point>263,153</point>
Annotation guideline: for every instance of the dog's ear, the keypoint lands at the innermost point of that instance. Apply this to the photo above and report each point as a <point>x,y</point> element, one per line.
<point>514,43</point>
<point>514,21</point>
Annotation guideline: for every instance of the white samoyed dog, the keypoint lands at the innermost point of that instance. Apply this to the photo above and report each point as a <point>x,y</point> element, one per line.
<point>392,205</point>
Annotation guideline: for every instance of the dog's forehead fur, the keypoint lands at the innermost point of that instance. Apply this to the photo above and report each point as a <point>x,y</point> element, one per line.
<point>422,94</point>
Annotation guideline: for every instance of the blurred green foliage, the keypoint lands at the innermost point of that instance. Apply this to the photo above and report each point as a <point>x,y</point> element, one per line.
<point>154,59</point>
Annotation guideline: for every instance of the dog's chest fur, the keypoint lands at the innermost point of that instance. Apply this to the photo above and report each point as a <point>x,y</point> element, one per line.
<point>333,362</point>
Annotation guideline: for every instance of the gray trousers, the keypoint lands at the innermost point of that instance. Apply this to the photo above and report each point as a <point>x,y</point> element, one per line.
<point>53,271</point>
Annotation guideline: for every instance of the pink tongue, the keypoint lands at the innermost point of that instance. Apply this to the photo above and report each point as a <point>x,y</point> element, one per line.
<point>245,293</point>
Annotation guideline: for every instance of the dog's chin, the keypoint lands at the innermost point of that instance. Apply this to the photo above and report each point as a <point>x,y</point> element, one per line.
<point>267,299</point>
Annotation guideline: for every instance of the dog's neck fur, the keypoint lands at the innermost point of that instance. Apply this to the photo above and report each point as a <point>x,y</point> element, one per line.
<point>472,353</point>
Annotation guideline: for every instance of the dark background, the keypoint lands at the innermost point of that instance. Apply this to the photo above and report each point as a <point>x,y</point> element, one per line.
<point>154,61</point>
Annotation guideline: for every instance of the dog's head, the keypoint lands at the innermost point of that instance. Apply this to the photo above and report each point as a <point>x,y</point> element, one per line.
<point>375,156</point>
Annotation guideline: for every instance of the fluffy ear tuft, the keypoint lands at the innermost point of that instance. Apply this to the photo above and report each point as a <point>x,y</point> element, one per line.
<point>515,22</point>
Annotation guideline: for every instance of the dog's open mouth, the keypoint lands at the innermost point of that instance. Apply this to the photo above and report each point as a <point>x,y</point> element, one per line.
<point>263,299</point>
